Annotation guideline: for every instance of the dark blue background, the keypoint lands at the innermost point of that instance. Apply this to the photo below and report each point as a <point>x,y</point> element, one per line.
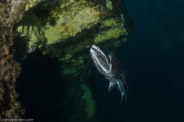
<point>154,60</point>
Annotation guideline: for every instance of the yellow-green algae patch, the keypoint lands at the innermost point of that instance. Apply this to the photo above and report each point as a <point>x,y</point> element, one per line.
<point>71,18</point>
<point>32,3</point>
<point>109,4</point>
<point>32,29</point>
<point>52,33</point>
<point>110,23</point>
<point>71,22</point>
<point>90,103</point>
<point>116,30</point>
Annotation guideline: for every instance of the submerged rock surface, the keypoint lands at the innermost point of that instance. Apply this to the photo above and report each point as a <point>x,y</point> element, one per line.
<point>67,23</point>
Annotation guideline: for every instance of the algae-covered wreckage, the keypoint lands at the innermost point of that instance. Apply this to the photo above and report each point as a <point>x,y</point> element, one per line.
<point>60,29</point>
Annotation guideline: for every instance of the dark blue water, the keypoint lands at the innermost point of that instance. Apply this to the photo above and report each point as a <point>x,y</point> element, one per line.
<point>154,61</point>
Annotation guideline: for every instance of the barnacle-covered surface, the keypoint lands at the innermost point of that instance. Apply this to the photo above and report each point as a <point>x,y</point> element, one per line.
<point>10,13</point>
<point>63,29</point>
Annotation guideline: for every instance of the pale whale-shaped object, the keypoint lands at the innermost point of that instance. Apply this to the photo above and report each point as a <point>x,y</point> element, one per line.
<point>110,67</point>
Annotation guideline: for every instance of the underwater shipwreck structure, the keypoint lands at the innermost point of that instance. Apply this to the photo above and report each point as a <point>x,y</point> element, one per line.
<point>62,29</point>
